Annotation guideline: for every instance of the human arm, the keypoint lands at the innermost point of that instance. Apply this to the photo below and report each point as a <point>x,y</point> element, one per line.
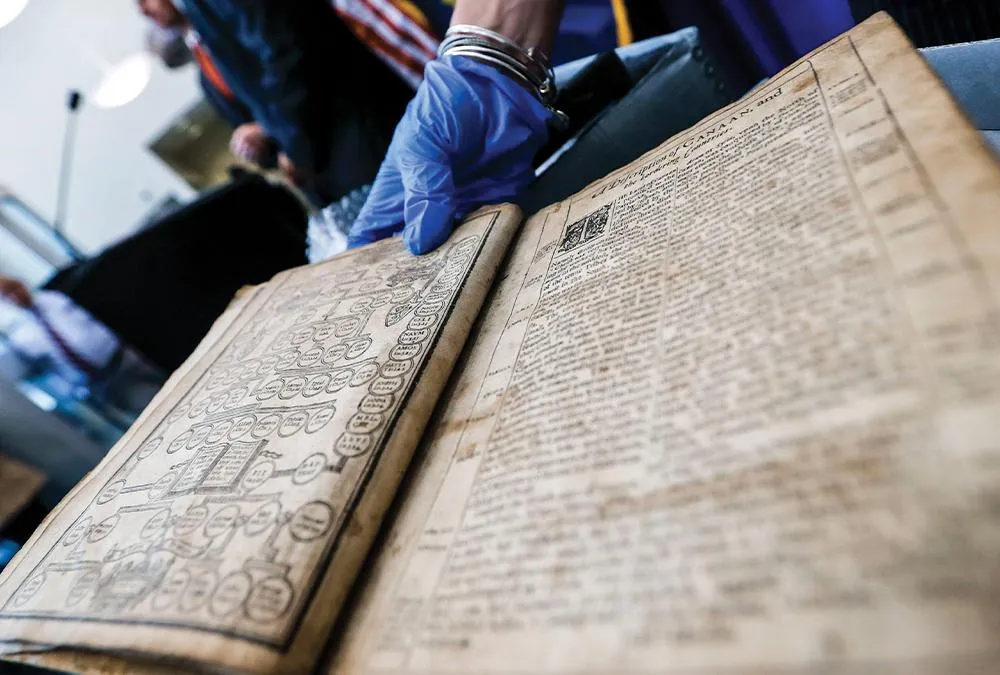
<point>267,28</point>
<point>468,137</point>
<point>249,141</point>
<point>529,23</point>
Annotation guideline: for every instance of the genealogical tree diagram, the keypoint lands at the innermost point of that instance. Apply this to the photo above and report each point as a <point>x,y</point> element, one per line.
<point>264,455</point>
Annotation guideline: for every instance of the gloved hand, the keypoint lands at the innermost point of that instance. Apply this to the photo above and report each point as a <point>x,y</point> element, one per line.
<point>468,138</point>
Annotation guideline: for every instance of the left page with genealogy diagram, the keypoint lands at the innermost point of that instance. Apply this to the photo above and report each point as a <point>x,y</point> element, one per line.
<point>227,527</point>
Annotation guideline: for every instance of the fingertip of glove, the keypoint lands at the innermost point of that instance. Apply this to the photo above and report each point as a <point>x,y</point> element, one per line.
<point>428,225</point>
<point>419,242</point>
<point>414,246</point>
<point>354,241</point>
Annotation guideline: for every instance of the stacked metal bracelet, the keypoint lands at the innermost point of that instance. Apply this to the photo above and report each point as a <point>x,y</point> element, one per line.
<point>530,67</point>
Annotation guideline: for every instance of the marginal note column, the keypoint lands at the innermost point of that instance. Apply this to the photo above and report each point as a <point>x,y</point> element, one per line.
<point>940,279</point>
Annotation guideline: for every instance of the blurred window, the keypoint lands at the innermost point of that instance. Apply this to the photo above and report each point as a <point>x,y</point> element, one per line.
<point>29,248</point>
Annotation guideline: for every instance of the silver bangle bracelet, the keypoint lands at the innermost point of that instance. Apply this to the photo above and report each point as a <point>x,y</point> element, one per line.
<point>530,67</point>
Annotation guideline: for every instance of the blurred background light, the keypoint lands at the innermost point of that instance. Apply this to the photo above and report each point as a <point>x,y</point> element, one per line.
<point>123,82</point>
<point>10,9</point>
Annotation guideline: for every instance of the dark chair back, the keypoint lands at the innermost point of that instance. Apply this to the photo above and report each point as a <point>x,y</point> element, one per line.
<point>162,288</point>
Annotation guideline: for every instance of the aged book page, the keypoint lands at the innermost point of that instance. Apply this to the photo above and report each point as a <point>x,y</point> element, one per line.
<point>734,409</point>
<point>225,531</point>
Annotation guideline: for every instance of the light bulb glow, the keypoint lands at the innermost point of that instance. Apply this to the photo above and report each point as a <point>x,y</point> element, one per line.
<point>10,9</point>
<point>124,82</point>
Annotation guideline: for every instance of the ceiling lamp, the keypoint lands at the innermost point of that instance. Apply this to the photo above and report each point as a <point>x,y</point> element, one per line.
<point>10,9</point>
<point>123,82</point>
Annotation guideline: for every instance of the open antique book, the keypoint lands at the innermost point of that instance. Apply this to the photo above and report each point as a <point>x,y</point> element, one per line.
<point>733,409</point>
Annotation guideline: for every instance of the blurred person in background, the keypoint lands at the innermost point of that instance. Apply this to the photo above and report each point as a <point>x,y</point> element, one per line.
<point>177,46</point>
<point>308,85</point>
<point>47,328</point>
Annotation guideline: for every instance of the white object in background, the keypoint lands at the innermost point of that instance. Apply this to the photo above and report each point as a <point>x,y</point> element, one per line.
<point>323,239</point>
<point>10,10</point>
<point>327,233</point>
<point>10,317</point>
<point>86,336</point>
<point>123,82</point>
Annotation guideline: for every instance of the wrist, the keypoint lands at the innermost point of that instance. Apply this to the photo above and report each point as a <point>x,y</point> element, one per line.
<point>499,99</point>
<point>528,68</point>
<point>529,23</point>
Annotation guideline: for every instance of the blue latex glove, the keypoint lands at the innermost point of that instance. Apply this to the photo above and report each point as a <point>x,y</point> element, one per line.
<point>468,138</point>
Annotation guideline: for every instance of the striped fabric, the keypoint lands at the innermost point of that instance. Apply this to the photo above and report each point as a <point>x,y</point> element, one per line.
<point>400,34</point>
<point>395,30</point>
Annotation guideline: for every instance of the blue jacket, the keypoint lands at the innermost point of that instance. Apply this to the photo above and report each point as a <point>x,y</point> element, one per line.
<point>229,109</point>
<point>293,64</point>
